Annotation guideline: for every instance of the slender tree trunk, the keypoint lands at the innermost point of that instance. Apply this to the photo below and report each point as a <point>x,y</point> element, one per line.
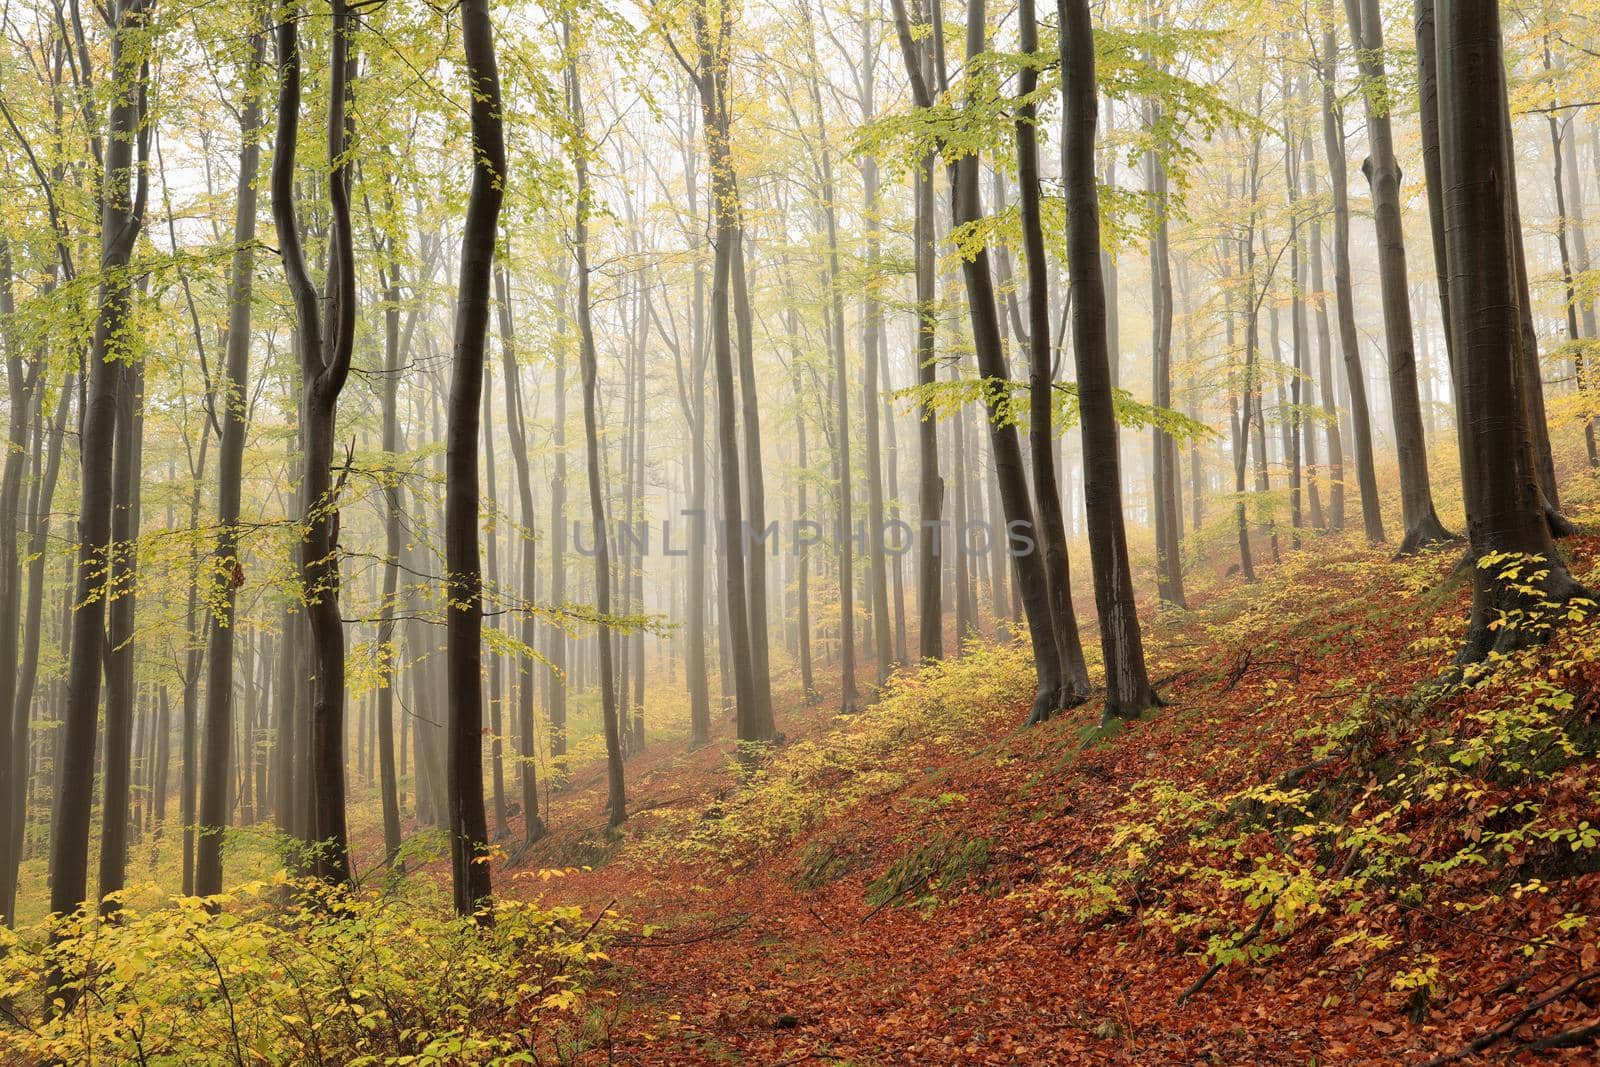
<point>492,555</point>
<point>469,831</point>
<point>1041,387</point>
<point>845,528</point>
<point>1128,690</point>
<point>32,635</point>
<point>393,506</point>
<point>710,78</point>
<point>21,385</point>
<point>871,326</point>
<point>893,507</point>
<point>615,791</point>
<point>1327,386</point>
<point>1164,450</point>
<point>696,670</point>
<point>227,570</point>
<point>930,486</point>
<point>761,723</point>
<point>1360,419</point>
<point>122,200</point>
<point>516,432</point>
<point>808,685</point>
<point>325,365</point>
<point>1422,525</point>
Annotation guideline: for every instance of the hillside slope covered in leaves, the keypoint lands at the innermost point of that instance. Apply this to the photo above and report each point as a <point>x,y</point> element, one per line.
<point>1316,852</point>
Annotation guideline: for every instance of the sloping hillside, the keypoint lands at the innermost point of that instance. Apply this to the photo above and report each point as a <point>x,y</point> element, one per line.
<point>1314,853</point>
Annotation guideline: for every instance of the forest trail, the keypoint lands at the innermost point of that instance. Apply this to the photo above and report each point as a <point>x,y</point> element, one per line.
<point>988,894</point>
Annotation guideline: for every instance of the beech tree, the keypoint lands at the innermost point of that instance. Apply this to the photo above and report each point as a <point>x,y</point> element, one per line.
<point>1128,689</point>
<point>1517,574</point>
<point>326,343</point>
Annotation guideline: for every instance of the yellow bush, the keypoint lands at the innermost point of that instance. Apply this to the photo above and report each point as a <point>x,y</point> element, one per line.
<point>290,971</point>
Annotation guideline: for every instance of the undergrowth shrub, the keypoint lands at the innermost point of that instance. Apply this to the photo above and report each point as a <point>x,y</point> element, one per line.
<point>943,862</point>
<point>291,971</point>
<point>1468,794</point>
<point>938,706</point>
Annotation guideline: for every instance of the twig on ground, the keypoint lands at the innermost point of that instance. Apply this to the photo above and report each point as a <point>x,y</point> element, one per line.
<point>1510,1026</point>
<point>721,930</point>
<point>1248,936</point>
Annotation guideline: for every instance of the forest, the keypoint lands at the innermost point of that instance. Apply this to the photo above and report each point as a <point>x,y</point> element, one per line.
<point>799,531</point>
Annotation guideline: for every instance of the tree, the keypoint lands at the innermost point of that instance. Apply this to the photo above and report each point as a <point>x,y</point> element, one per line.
<point>533,826</point>
<point>1422,525</point>
<point>1518,577</point>
<point>709,74</point>
<point>469,832</point>
<point>1041,383</point>
<point>1333,143</point>
<point>21,384</point>
<point>844,529</point>
<point>616,794</point>
<point>325,348</point>
<point>227,571</point>
<point>1164,449</point>
<point>123,196</point>
<point>1128,689</point>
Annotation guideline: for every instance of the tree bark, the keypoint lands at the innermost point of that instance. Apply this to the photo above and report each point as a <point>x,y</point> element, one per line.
<point>227,569</point>
<point>1422,525</point>
<point>1128,690</point>
<point>1505,513</point>
<point>710,78</point>
<point>122,201</point>
<point>616,796</point>
<point>871,326</point>
<point>930,486</point>
<point>1360,419</point>
<point>325,365</point>
<point>469,832</point>
<point>1164,450</point>
<point>21,385</point>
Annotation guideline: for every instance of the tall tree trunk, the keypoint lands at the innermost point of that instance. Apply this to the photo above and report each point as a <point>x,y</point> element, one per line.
<point>920,66</point>
<point>1128,690</point>
<point>930,487</point>
<point>930,484</point>
<point>845,529</point>
<point>893,507</point>
<point>32,634</point>
<point>393,505</point>
<point>492,555</point>
<point>871,326</point>
<point>1011,472</point>
<point>227,570</point>
<point>710,78</point>
<point>1164,450</point>
<point>325,365</point>
<point>469,831</point>
<point>122,201</point>
<point>696,670</point>
<point>21,385</point>
<point>761,723</point>
<point>1327,386</point>
<point>1360,418</point>
<point>808,687</point>
<point>1041,386</point>
<point>616,796</point>
<point>516,433</point>
<point>1504,511</point>
<point>1422,525</point>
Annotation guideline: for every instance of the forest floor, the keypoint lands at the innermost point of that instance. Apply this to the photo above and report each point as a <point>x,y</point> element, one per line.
<point>1336,862</point>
